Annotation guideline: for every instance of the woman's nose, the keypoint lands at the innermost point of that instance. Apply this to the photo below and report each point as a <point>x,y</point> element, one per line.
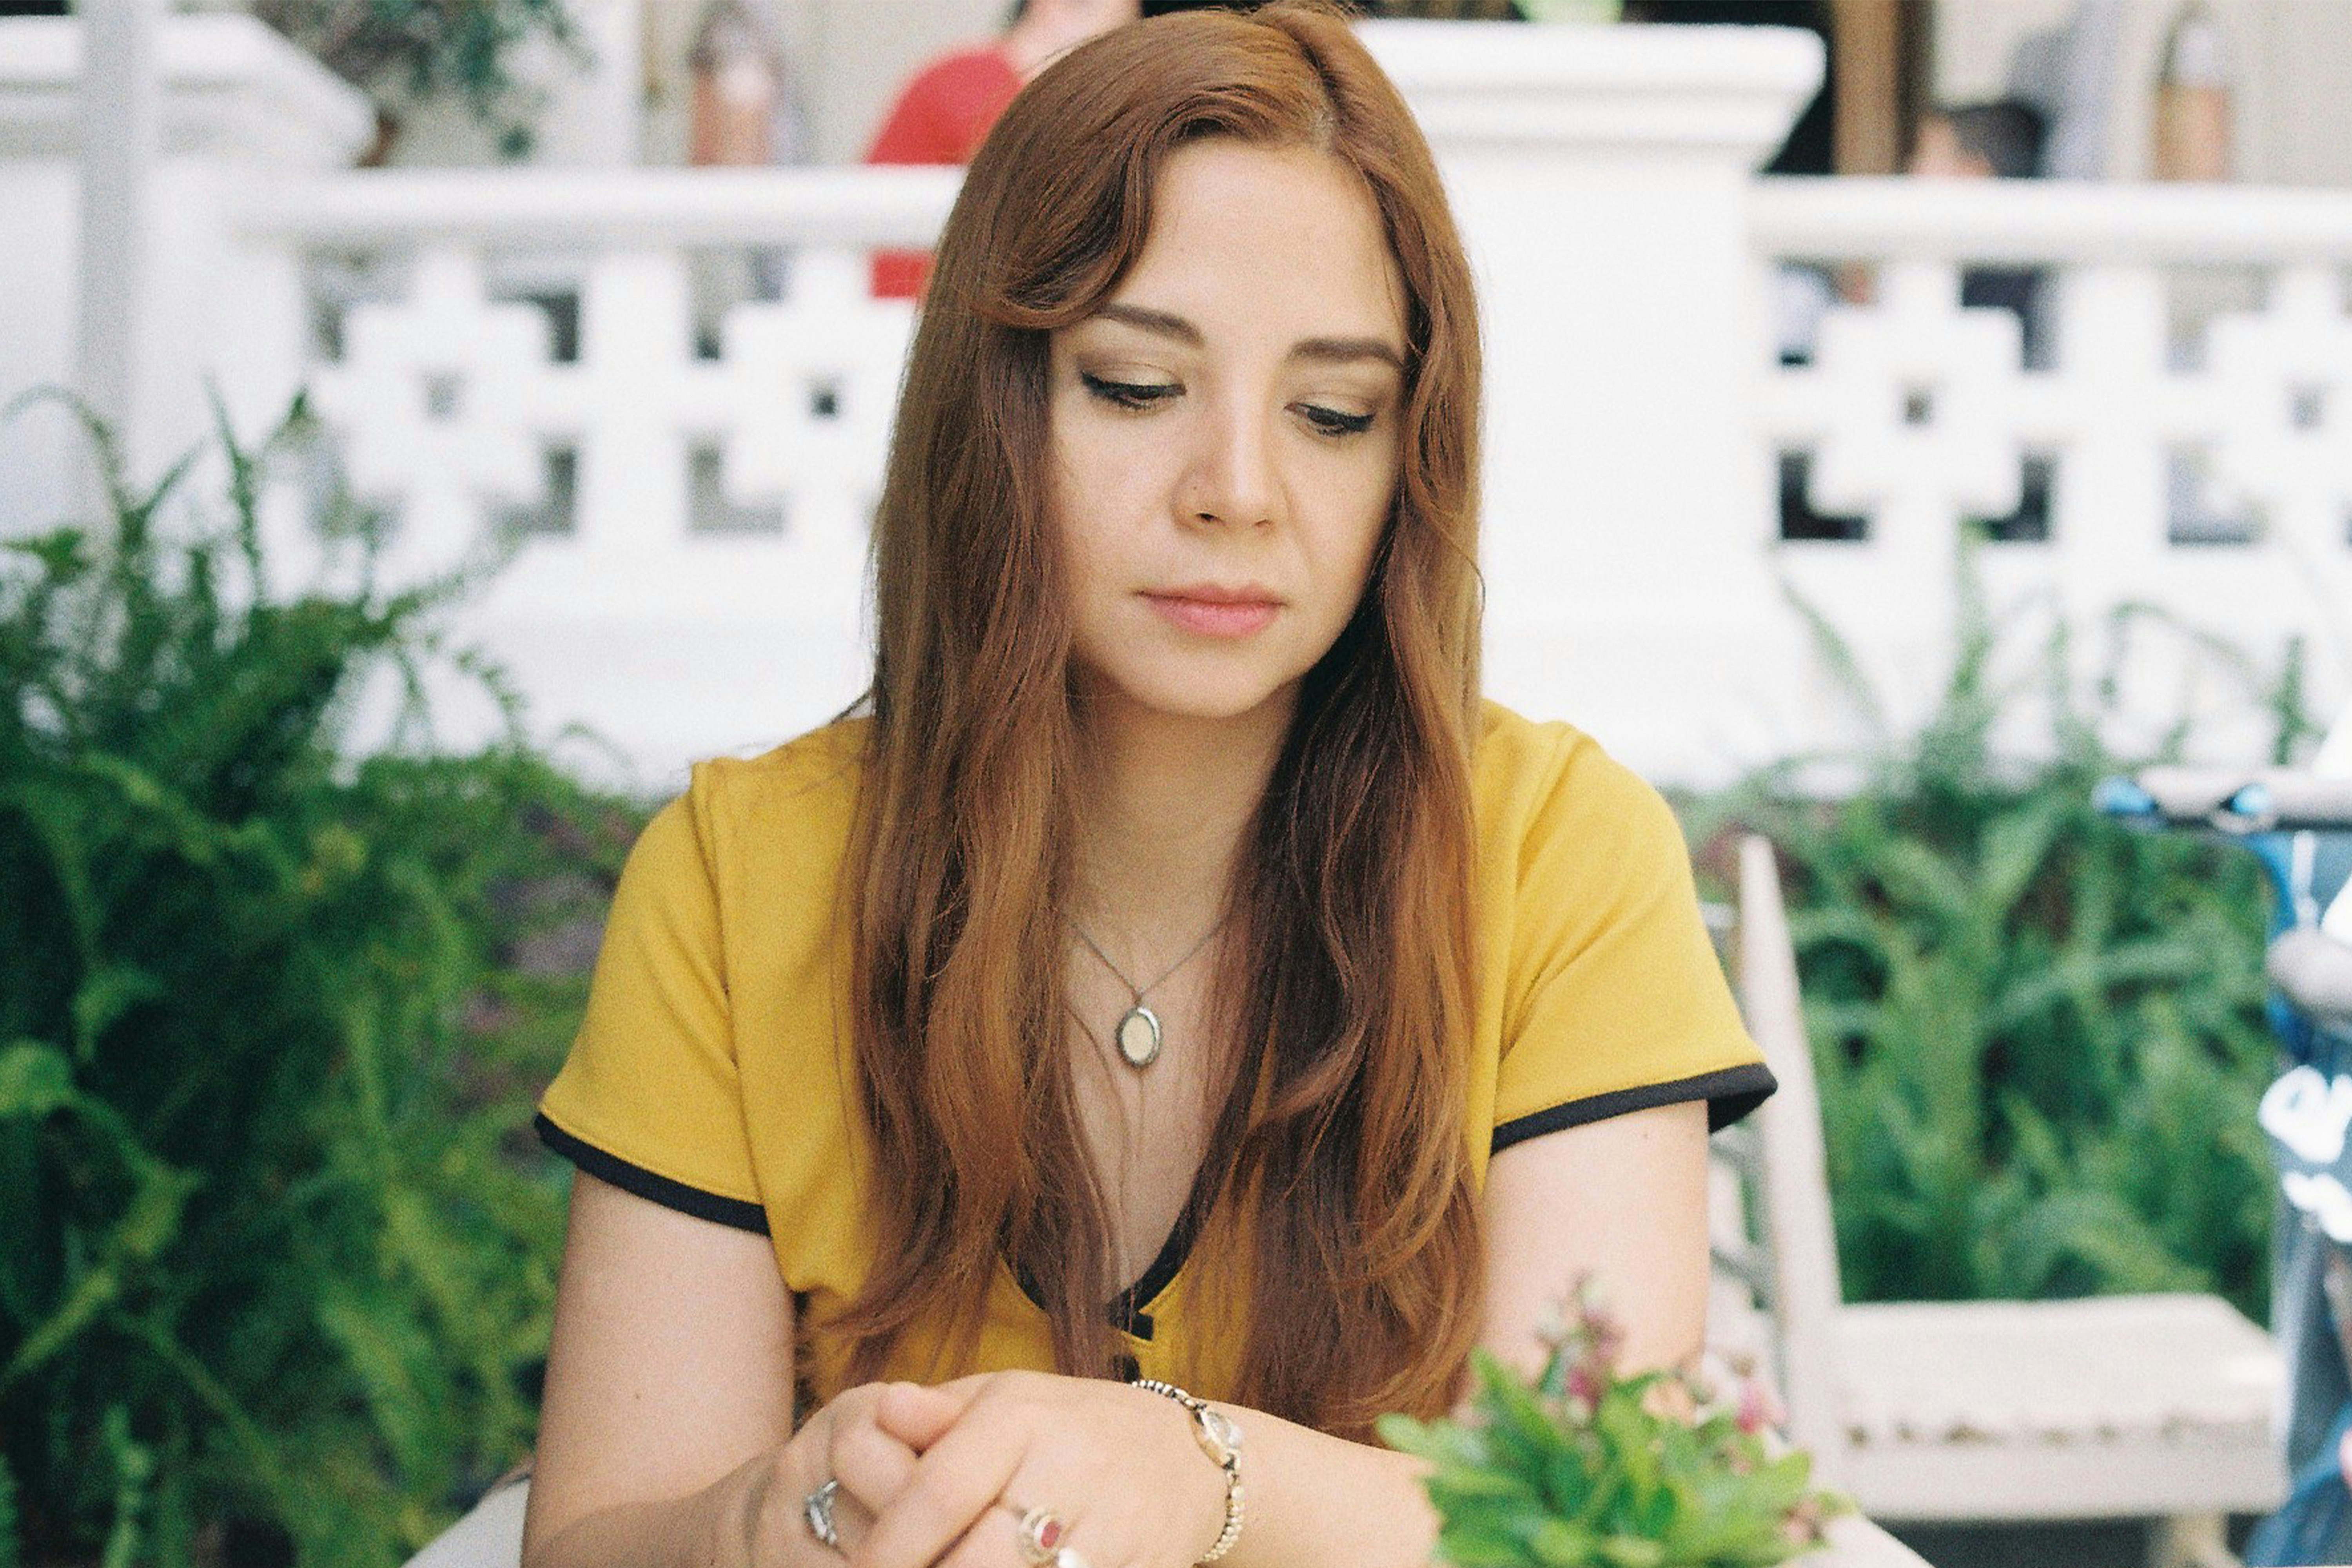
<point>1231,478</point>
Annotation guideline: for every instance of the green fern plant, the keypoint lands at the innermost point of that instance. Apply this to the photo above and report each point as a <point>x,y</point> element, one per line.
<point>2039,1035</point>
<point>276,1265</point>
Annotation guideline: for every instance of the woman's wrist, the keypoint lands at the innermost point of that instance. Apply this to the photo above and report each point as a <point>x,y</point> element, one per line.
<point>1218,1436</point>
<point>1316,1501</point>
<point>720,1526</point>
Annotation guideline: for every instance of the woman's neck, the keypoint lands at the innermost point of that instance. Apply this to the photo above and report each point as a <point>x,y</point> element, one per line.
<point>1166,804</point>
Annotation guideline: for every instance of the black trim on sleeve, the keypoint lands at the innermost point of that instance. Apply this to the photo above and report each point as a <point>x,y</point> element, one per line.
<point>645,1183</point>
<point>1730,1093</point>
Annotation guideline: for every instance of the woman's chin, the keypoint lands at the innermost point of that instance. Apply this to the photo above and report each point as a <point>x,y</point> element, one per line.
<point>1213,698</point>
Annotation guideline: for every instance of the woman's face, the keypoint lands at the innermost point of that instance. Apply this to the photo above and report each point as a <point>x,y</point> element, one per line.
<point>1225,435</point>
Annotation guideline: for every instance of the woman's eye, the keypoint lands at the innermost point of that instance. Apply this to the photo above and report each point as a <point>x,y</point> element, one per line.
<point>1331,421</point>
<point>1128,394</point>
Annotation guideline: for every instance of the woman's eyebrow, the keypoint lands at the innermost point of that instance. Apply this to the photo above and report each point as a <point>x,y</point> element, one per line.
<point>1327,350</point>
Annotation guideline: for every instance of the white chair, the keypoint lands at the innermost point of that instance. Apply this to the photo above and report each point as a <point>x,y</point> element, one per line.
<point>2130,1406</point>
<point>491,1536</point>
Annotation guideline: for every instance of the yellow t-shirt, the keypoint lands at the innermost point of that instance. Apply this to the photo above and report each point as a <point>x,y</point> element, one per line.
<point>712,1071</point>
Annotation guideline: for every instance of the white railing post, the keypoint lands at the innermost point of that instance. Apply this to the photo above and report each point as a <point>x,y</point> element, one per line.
<point>119,123</point>
<point>1600,176</point>
<point>240,108</point>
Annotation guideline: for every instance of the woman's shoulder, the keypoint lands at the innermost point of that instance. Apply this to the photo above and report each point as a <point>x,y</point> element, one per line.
<point>812,777</point>
<point>788,808</point>
<point>1523,768</point>
<point>1552,806</point>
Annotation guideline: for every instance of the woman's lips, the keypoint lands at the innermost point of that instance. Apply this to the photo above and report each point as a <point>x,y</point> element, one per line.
<point>1216,613</point>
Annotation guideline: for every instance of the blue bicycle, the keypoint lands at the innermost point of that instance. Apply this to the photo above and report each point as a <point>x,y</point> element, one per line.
<point>2298,824</point>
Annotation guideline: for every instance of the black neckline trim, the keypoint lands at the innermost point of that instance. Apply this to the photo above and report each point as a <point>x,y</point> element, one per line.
<point>1126,1310</point>
<point>1730,1093</point>
<point>734,1213</point>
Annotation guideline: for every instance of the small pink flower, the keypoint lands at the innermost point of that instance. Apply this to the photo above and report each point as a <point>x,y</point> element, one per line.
<point>1759,1407</point>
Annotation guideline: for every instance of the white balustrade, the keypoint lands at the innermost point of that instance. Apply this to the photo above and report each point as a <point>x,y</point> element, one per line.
<point>1918,414</point>
<point>535,354</point>
<point>671,631</point>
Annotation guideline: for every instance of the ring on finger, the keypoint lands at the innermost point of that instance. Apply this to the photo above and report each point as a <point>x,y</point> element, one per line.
<point>1040,1532</point>
<point>817,1507</point>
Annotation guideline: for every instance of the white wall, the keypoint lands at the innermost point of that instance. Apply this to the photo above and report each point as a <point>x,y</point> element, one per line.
<point>2298,128</point>
<point>1973,40</point>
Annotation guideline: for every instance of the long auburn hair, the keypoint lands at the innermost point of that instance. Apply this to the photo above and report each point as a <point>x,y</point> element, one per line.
<point>1345,983</point>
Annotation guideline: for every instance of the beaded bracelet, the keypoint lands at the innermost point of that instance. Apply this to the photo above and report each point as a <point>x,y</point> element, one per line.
<point>1221,1439</point>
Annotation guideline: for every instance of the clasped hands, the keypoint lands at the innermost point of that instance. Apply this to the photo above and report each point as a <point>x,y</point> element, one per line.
<point>941,1477</point>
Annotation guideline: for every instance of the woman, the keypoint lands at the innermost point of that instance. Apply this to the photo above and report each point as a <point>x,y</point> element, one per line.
<point>1178,932</point>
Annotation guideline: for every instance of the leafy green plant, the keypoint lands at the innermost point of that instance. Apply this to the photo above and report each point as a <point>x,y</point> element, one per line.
<point>2039,1035</point>
<point>402,51</point>
<point>1583,1467</point>
<point>275,1267</point>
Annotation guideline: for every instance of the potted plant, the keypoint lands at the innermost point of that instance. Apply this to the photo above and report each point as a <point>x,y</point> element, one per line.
<point>1584,1468</point>
<point>399,52</point>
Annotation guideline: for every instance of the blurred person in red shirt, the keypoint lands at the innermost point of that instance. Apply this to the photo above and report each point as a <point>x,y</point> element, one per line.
<point>945,112</point>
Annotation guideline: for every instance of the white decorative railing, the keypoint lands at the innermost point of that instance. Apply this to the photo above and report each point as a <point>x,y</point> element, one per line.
<point>697,510</point>
<point>695,482</point>
<point>674,387</point>
<point>2192,425</point>
<point>790,407</point>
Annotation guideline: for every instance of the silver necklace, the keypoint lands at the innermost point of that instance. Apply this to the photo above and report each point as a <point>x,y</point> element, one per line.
<point>1137,1033</point>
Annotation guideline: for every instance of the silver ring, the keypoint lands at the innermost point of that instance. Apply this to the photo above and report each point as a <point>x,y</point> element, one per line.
<point>817,1509</point>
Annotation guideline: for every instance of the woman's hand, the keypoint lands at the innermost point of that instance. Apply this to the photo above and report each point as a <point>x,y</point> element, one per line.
<point>866,1438</point>
<point>1118,1465</point>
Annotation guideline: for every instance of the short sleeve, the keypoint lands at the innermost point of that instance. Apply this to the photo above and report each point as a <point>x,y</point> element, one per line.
<point>1615,999</point>
<point>649,1098</point>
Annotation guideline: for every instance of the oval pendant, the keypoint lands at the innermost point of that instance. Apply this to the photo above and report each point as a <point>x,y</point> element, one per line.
<point>1138,1037</point>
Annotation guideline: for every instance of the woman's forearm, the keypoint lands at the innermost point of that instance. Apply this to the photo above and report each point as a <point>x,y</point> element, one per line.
<point>729,1523</point>
<point>708,1529</point>
<point>1315,1499</point>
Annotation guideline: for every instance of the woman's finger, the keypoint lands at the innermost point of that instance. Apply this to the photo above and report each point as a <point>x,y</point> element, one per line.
<point>851,1520</point>
<point>956,1482</point>
<point>782,1525</point>
<point>920,1417</point>
<point>993,1541</point>
<point>871,1465</point>
<point>996,1542</point>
